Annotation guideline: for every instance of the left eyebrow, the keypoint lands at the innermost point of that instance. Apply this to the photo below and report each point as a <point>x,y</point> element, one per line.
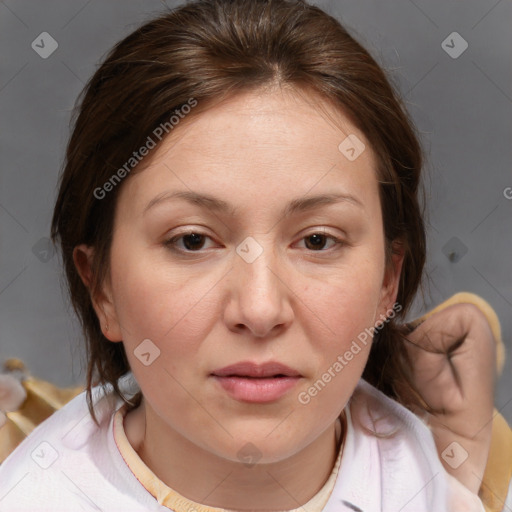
<point>215,204</point>
<point>308,203</point>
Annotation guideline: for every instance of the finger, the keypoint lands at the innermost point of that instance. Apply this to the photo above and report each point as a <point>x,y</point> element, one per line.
<point>484,308</point>
<point>453,359</point>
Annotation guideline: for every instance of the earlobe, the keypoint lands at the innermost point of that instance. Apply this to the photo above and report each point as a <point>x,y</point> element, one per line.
<point>102,301</point>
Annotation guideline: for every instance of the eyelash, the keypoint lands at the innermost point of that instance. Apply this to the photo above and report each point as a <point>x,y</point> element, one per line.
<point>171,243</point>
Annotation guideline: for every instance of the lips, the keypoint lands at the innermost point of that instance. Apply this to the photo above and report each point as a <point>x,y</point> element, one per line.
<point>257,383</point>
<point>250,369</point>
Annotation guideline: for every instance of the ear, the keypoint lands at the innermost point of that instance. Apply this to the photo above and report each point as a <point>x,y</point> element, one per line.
<point>103,302</point>
<point>391,281</point>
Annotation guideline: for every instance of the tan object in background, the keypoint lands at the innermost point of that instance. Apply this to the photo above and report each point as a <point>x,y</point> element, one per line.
<point>498,471</point>
<point>43,399</point>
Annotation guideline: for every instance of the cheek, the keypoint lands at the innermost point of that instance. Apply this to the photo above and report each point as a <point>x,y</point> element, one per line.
<point>161,303</point>
<point>346,307</point>
<point>349,318</point>
<point>348,300</point>
<point>339,345</point>
<point>175,314</point>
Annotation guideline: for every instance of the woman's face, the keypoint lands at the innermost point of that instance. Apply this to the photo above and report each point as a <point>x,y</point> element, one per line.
<point>277,256</point>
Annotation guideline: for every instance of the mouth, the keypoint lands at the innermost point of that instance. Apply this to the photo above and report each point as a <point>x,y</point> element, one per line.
<point>257,383</point>
<point>249,369</point>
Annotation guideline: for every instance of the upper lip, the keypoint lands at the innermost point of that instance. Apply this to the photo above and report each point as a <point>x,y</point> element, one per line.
<point>251,369</point>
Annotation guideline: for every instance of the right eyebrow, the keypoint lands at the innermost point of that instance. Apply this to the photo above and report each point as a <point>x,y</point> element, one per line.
<point>203,200</point>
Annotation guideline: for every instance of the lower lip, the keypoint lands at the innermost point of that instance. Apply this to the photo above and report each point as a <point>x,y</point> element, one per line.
<point>257,390</point>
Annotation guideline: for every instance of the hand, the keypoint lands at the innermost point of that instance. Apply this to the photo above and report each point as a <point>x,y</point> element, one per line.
<point>453,356</point>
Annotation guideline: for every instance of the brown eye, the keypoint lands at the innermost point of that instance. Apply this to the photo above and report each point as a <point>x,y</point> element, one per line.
<point>316,241</point>
<point>190,242</point>
<point>193,241</point>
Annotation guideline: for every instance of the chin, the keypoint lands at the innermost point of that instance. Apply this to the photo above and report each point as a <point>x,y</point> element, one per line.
<point>258,449</point>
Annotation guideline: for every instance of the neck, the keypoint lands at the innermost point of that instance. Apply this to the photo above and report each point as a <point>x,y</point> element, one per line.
<point>205,478</point>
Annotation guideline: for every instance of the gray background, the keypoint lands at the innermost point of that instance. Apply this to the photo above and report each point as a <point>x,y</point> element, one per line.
<point>462,106</point>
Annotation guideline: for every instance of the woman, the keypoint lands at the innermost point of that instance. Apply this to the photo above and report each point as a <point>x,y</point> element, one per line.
<point>240,227</point>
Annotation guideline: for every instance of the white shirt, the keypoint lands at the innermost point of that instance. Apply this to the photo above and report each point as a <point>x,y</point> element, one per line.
<point>68,463</point>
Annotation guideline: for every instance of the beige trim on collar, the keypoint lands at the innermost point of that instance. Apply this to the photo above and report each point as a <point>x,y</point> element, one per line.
<point>175,501</point>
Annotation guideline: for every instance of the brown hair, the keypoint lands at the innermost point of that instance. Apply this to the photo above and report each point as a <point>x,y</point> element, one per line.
<point>210,50</point>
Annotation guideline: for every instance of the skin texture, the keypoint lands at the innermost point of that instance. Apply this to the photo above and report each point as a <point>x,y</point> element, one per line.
<point>298,303</point>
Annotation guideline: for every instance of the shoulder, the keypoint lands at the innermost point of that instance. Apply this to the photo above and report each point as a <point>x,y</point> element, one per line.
<point>67,421</point>
<point>390,460</point>
<point>68,462</point>
<point>32,464</point>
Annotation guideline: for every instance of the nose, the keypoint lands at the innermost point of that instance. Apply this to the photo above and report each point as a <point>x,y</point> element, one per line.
<point>261,297</point>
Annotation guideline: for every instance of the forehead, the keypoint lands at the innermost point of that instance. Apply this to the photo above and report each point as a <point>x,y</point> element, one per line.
<point>281,143</point>
<point>272,119</point>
